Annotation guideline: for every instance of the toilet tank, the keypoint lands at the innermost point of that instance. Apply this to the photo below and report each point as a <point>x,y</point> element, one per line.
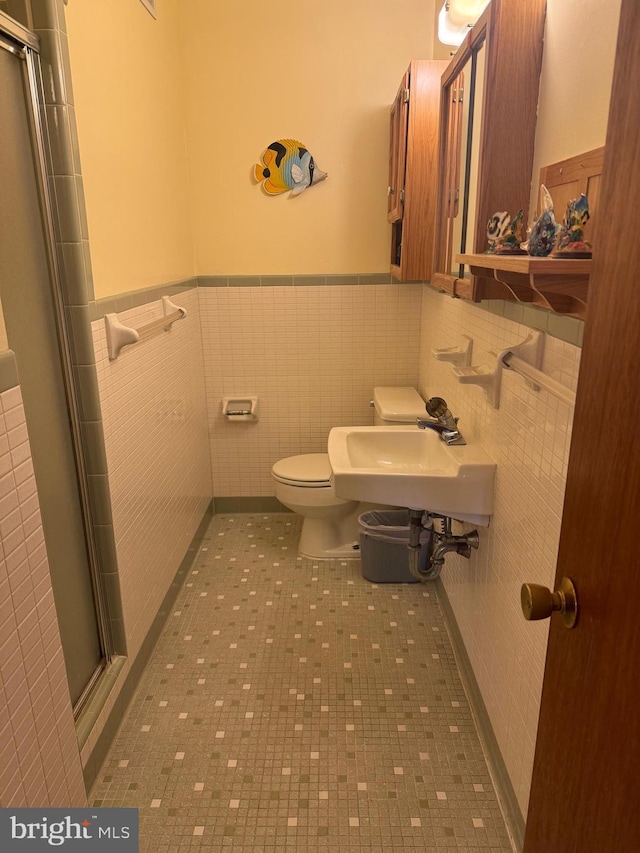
<point>397,405</point>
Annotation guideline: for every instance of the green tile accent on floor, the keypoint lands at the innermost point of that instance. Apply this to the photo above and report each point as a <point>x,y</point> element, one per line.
<point>291,705</point>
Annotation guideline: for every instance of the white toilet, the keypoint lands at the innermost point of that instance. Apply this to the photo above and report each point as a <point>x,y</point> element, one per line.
<point>303,484</point>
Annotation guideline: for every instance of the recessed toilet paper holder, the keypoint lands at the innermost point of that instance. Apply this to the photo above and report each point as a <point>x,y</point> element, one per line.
<point>240,408</point>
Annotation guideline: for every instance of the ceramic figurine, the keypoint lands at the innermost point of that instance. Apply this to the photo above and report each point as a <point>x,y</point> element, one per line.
<point>571,242</point>
<point>496,227</point>
<point>287,165</point>
<point>544,231</point>
<point>512,237</point>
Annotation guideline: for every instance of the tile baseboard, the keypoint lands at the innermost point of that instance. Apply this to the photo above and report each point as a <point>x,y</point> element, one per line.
<point>8,371</point>
<point>266,503</point>
<point>513,816</point>
<point>95,705</point>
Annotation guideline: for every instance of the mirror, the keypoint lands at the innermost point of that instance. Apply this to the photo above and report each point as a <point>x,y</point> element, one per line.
<point>459,133</point>
<point>485,166</point>
<point>472,162</point>
<point>462,225</point>
<point>462,86</point>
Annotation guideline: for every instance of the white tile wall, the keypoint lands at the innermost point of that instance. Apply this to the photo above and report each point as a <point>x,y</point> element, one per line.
<point>312,355</point>
<point>528,437</point>
<point>39,757</point>
<point>156,438</point>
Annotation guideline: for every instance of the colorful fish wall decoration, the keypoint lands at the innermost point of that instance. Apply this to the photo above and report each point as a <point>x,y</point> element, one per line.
<point>571,242</point>
<point>505,234</point>
<point>543,232</point>
<point>286,164</point>
<point>496,229</point>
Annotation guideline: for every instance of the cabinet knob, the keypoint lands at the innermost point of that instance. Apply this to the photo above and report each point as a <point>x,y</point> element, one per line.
<point>390,191</point>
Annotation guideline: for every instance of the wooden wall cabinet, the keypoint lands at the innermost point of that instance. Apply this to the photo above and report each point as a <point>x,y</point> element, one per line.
<point>413,163</point>
<point>492,139</point>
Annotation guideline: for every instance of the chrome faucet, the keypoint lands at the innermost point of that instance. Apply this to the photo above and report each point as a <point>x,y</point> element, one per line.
<point>444,424</point>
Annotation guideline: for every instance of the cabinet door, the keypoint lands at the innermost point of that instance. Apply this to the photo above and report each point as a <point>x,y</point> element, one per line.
<point>398,151</point>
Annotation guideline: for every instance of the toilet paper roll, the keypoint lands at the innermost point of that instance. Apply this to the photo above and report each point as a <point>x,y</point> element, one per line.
<point>240,408</point>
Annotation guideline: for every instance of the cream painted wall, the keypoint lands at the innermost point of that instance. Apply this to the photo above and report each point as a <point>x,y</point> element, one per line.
<point>575,85</point>
<point>440,51</point>
<point>319,81</point>
<point>326,76</point>
<point>128,94</point>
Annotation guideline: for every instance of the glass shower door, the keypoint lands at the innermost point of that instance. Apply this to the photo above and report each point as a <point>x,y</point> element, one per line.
<point>28,303</point>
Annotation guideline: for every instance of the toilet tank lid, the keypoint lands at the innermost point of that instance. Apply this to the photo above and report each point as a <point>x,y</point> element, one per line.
<point>400,405</point>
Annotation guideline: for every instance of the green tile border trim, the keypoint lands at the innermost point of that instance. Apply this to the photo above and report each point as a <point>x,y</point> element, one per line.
<point>511,809</point>
<point>212,281</point>
<point>90,714</point>
<point>8,371</point>
<point>376,278</point>
<point>569,329</point>
<point>333,280</point>
<point>135,298</point>
<point>274,281</point>
<point>265,503</point>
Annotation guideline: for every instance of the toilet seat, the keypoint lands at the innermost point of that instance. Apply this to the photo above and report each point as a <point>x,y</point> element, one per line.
<point>308,471</point>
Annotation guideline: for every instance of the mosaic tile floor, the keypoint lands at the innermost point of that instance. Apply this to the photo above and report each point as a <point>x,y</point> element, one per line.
<point>291,705</point>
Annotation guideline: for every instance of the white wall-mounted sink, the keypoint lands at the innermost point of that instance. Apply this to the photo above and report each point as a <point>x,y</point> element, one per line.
<point>410,467</point>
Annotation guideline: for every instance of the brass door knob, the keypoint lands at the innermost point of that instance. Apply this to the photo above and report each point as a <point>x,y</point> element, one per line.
<point>538,602</point>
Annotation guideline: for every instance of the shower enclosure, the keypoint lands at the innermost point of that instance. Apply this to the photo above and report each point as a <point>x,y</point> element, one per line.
<point>38,334</point>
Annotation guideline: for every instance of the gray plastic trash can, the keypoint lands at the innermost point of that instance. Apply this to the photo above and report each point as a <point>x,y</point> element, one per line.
<point>384,537</point>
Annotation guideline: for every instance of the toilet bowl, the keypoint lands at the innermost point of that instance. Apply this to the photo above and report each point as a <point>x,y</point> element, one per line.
<point>330,527</point>
<point>303,484</point>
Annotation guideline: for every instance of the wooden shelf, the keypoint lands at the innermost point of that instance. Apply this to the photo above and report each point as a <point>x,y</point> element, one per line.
<point>560,284</point>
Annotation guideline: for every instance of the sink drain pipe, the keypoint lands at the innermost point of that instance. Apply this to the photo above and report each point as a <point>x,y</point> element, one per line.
<point>414,546</point>
<point>442,543</point>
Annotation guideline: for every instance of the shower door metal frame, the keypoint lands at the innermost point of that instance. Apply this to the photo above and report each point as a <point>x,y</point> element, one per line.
<point>26,45</point>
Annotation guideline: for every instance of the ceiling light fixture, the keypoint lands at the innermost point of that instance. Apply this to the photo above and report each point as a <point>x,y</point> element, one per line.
<point>455,19</point>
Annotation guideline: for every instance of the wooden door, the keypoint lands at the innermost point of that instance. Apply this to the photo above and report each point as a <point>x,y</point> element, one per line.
<point>585,791</point>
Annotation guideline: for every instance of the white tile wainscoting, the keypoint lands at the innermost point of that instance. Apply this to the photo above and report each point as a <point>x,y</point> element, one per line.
<point>39,757</point>
<point>528,436</point>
